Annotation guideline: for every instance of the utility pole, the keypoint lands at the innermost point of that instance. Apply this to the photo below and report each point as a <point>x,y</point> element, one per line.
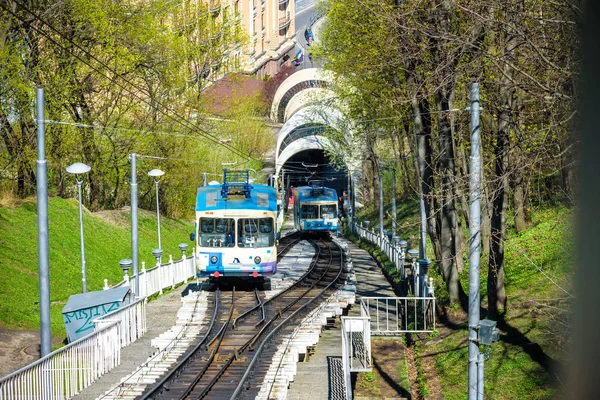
<point>353,204</point>
<point>423,233</point>
<point>282,190</point>
<point>394,224</point>
<point>42,204</point>
<point>348,216</point>
<point>134,226</point>
<point>474,245</point>
<point>381,206</point>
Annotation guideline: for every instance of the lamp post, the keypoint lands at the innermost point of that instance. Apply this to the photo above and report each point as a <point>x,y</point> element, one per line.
<point>183,247</point>
<point>156,174</point>
<point>78,169</point>
<point>414,254</point>
<point>125,265</point>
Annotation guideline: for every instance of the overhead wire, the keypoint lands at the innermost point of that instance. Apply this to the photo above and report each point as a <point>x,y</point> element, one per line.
<point>177,118</point>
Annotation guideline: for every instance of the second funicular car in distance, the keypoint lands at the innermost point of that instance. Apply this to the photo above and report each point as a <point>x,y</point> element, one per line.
<point>315,208</point>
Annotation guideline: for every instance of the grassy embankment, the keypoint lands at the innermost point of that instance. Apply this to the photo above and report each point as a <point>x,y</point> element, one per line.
<point>533,328</point>
<point>107,240</point>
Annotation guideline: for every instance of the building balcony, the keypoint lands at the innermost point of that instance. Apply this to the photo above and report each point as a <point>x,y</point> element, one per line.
<point>284,22</point>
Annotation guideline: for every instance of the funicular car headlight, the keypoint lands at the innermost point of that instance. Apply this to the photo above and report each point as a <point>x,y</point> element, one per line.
<point>214,259</point>
<point>257,260</point>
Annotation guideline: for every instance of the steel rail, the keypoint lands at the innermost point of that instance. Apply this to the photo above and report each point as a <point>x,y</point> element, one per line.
<point>279,314</point>
<point>313,265</point>
<point>220,335</point>
<point>293,303</point>
<point>161,383</point>
<point>259,350</point>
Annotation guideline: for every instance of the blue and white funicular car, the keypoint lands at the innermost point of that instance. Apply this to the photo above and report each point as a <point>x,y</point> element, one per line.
<point>235,228</point>
<point>315,208</point>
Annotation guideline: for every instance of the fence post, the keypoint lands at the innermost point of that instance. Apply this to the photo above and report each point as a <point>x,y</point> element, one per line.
<point>160,277</point>
<point>172,271</point>
<point>157,253</point>
<point>145,281</point>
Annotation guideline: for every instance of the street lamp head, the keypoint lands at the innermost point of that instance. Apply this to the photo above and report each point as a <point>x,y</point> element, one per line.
<point>156,173</point>
<point>125,264</point>
<point>78,168</point>
<point>413,254</point>
<point>157,253</point>
<point>183,247</point>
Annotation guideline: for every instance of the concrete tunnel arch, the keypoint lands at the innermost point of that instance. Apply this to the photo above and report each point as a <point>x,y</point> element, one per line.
<point>307,106</point>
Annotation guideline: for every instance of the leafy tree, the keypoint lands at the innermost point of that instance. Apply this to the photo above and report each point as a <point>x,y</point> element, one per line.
<point>404,70</point>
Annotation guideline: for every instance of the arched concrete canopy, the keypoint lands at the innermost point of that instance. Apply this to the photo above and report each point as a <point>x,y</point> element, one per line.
<point>314,142</point>
<point>306,105</point>
<point>298,81</point>
<point>312,114</point>
<point>303,98</point>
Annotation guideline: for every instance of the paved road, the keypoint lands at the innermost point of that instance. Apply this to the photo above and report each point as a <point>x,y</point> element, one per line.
<point>303,15</point>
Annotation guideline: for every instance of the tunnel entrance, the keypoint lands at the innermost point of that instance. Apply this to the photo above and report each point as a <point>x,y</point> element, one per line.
<point>314,164</point>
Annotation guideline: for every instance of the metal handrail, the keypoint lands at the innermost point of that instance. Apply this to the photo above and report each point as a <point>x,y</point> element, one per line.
<point>54,377</point>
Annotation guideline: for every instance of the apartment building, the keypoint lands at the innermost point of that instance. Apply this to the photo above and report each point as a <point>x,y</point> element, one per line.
<point>269,26</point>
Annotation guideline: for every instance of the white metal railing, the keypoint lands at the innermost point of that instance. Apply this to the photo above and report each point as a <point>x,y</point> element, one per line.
<point>381,316</point>
<point>356,348</point>
<point>395,315</point>
<point>131,318</point>
<point>66,371</point>
<point>394,252</point>
<point>161,276</point>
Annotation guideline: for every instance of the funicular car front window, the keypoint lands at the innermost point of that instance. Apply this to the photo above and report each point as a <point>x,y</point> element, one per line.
<point>255,232</point>
<point>309,211</point>
<point>328,211</point>
<point>217,232</point>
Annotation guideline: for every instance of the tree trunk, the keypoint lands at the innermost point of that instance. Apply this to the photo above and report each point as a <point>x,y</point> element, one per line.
<point>448,228</point>
<point>495,284</point>
<point>519,203</point>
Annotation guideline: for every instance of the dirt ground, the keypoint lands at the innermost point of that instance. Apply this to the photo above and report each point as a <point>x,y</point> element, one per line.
<point>385,381</point>
<point>18,349</point>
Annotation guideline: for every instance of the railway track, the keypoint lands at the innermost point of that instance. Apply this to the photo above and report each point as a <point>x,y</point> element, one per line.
<point>232,358</point>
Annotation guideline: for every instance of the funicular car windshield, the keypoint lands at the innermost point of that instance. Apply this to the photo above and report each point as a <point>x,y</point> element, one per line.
<point>328,211</point>
<point>309,211</point>
<point>216,232</point>
<point>255,232</point>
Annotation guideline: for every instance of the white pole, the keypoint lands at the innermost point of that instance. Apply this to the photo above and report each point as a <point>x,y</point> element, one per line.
<point>83,272</point>
<point>474,242</point>
<point>42,206</point>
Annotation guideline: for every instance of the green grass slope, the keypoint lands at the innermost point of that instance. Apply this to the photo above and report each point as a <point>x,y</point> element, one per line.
<point>107,240</point>
<point>526,362</point>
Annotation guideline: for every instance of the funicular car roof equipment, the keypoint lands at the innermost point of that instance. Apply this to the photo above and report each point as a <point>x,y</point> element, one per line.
<point>236,183</point>
<point>317,188</point>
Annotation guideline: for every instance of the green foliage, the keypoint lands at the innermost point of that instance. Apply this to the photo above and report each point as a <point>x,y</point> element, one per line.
<point>369,377</point>
<point>107,240</point>
<point>123,78</point>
